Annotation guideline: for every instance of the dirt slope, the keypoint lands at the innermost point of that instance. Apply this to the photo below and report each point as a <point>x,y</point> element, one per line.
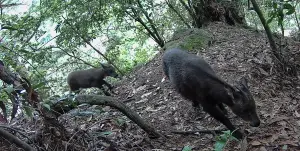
<point>236,52</point>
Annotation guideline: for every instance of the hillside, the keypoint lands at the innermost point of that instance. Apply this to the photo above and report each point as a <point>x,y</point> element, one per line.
<point>233,53</point>
<point>236,52</point>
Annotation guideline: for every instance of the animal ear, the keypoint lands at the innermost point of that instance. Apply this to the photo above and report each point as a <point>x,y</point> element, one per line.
<point>244,82</point>
<point>230,93</point>
<point>103,65</point>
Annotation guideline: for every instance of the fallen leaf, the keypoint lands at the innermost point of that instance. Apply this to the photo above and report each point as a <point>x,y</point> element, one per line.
<point>278,119</point>
<point>255,143</point>
<point>262,71</point>
<point>146,94</point>
<point>283,134</point>
<point>244,145</point>
<point>141,101</point>
<point>297,114</point>
<point>288,142</point>
<point>262,148</point>
<point>163,79</point>
<point>274,138</point>
<point>298,122</point>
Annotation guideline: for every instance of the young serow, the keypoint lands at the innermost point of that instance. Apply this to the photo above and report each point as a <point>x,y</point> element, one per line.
<point>196,81</point>
<point>91,78</point>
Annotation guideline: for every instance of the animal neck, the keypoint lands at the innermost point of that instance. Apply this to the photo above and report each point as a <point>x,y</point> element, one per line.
<point>105,74</point>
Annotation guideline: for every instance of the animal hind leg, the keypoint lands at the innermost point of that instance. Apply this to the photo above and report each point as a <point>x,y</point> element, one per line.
<point>196,111</point>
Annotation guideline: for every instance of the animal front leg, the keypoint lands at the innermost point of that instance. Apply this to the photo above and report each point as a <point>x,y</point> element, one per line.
<point>104,91</point>
<point>222,108</point>
<point>196,111</point>
<point>216,113</point>
<point>108,85</point>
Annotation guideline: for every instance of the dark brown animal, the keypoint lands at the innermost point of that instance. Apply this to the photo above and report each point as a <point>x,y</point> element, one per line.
<point>91,78</point>
<point>195,80</point>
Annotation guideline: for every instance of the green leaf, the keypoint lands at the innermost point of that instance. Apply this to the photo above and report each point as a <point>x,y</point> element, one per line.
<point>284,147</point>
<point>271,19</point>
<point>119,121</point>
<point>187,148</point>
<point>38,85</point>
<point>291,11</point>
<point>219,145</point>
<point>105,133</point>
<point>46,106</point>
<point>227,132</point>
<point>275,5</point>
<point>288,6</point>
<point>9,88</point>
<point>28,111</point>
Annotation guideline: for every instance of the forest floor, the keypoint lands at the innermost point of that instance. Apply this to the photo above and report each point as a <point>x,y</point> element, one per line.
<point>236,52</point>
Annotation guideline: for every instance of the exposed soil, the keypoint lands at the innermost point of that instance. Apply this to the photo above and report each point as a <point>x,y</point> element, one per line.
<point>236,52</point>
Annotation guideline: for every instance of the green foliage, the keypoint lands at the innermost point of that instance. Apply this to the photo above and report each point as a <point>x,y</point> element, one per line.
<point>46,105</point>
<point>9,88</point>
<point>284,147</point>
<point>119,121</point>
<point>126,51</point>
<point>56,37</point>
<point>105,133</point>
<point>187,148</point>
<point>29,111</point>
<point>223,139</point>
<point>190,39</point>
<point>278,11</point>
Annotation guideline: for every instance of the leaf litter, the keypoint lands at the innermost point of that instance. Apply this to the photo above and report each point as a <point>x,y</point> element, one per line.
<point>237,52</point>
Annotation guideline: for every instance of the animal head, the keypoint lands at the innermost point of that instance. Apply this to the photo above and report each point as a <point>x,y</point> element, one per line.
<point>243,104</point>
<point>109,70</point>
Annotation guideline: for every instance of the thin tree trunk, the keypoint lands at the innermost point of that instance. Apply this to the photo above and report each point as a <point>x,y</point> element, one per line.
<point>177,13</point>
<point>189,9</point>
<point>161,41</point>
<point>296,16</point>
<point>268,31</point>
<point>98,51</point>
<point>152,34</point>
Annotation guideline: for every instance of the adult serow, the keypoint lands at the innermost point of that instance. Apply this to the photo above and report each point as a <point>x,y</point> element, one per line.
<point>196,81</point>
<point>91,78</point>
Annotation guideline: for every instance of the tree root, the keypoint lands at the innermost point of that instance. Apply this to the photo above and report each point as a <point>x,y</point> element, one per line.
<point>110,101</point>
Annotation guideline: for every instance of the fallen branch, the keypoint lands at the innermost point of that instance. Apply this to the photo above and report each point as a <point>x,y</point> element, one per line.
<point>110,101</point>
<point>13,139</point>
<point>18,131</point>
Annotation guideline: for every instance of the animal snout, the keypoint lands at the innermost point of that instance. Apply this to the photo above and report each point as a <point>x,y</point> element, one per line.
<point>255,123</point>
<point>114,74</point>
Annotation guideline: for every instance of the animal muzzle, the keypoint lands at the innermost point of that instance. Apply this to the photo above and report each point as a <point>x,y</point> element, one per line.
<point>116,76</point>
<point>255,122</point>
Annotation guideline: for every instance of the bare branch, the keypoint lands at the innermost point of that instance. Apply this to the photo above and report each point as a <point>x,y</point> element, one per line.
<point>15,140</point>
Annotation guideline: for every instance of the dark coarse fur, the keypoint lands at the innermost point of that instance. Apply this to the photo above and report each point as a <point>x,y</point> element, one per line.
<point>91,78</point>
<point>195,80</point>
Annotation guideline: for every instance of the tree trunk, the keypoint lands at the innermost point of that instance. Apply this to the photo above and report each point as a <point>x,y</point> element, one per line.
<point>267,29</point>
<point>204,11</point>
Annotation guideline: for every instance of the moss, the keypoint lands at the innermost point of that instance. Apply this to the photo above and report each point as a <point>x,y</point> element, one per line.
<point>191,39</point>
